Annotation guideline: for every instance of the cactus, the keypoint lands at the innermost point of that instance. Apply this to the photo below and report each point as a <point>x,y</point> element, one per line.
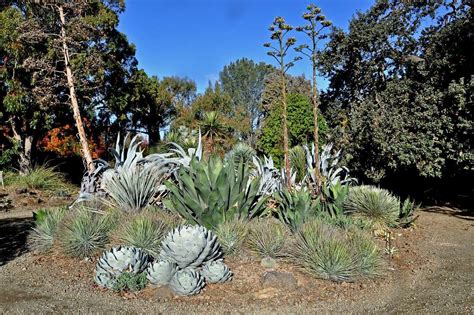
<point>161,272</point>
<point>187,282</point>
<point>216,272</point>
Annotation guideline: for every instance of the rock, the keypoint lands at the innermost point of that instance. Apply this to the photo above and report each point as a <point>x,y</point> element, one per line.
<point>268,263</point>
<point>266,293</point>
<point>164,293</point>
<point>279,280</point>
<point>20,191</point>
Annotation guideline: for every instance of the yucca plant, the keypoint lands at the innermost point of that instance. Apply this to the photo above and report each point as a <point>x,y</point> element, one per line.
<point>144,231</point>
<point>295,207</point>
<point>330,253</point>
<point>211,192</point>
<point>375,204</point>
<point>85,232</point>
<point>43,234</point>
<point>132,189</point>
<point>241,152</point>
<point>231,235</point>
<point>267,237</point>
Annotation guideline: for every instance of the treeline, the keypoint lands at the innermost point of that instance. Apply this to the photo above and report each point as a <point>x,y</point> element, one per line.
<point>399,101</point>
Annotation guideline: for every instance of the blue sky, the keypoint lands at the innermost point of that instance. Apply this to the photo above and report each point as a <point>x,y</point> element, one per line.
<point>197,38</point>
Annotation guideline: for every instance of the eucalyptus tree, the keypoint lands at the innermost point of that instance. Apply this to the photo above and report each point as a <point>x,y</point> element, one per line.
<point>314,28</point>
<point>282,43</point>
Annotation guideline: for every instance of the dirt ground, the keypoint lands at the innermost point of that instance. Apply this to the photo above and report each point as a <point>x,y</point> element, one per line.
<point>432,271</point>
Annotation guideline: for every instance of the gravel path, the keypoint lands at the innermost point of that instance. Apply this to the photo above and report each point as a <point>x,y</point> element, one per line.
<point>433,272</point>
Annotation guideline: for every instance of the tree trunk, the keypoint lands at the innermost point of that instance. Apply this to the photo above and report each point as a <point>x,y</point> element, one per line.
<point>72,93</point>
<point>317,171</point>
<point>25,149</point>
<point>285,131</point>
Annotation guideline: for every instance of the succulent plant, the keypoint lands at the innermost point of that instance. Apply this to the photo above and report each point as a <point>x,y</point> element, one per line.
<point>160,272</point>
<point>119,259</point>
<point>216,272</point>
<point>190,246</point>
<point>187,282</point>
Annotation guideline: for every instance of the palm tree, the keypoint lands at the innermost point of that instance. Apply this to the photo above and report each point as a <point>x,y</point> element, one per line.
<point>213,130</point>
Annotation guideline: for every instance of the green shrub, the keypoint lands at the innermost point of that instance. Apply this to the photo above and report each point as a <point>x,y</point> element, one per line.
<point>375,204</point>
<point>46,224</point>
<point>39,177</point>
<point>298,162</point>
<point>267,237</point>
<point>129,281</point>
<point>330,253</point>
<point>406,216</point>
<point>132,189</point>
<point>231,236</point>
<point>85,232</point>
<point>211,192</point>
<point>295,207</point>
<point>144,231</point>
<point>332,198</point>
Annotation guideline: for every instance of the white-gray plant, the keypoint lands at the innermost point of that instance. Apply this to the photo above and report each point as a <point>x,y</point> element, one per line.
<point>216,272</point>
<point>160,272</point>
<point>187,282</point>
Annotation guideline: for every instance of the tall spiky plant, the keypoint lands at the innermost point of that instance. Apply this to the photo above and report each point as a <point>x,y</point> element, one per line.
<point>316,23</point>
<point>279,34</point>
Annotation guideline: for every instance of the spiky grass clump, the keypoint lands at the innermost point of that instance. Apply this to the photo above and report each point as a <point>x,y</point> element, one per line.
<point>330,253</point>
<point>39,177</point>
<point>375,204</point>
<point>267,237</point>
<point>132,189</point>
<point>85,232</point>
<point>144,231</point>
<point>43,234</point>
<point>241,152</point>
<point>231,235</point>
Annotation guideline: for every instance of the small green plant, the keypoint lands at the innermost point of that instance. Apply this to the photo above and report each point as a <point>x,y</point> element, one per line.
<point>295,207</point>
<point>85,232</point>
<point>332,198</point>
<point>46,224</point>
<point>40,177</point>
<point>129,281</point>
<point>407,213</point>
<point>331,253</point>
<point>144,231</point>
<point>375,204</point>
<point>267,237</point>
<point>231,236</point>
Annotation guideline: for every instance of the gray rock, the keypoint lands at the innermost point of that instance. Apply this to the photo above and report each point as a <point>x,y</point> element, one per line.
<point>279,280</point>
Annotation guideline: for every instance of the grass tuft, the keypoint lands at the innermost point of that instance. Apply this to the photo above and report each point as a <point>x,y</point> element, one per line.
<point>231,236</point>
<point>267,237</point>
<point>43,234</point>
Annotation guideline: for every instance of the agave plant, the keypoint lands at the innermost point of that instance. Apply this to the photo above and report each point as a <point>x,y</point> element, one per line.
<point>211,192</point>
<point>161,272</point>
<point>187,282</point>
<point>190,246</point>
<point>118,260</point>
<point>216,272</point>
<point>269,176</point>
<point>295,207</point>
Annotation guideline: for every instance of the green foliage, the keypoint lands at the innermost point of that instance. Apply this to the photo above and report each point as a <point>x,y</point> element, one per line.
<point>241,152</point>
<point>332,198</point>
<point>211,192</point>
<point>298,162</point>
<point>375,204</point>
<point>129,281</point>
<point>132,189</point>
<point>85,232</point>
<point>43,234</point>
<point>300,127</point>
<point>267,237</point>
<point>330,253</point>
<point>295,207</point>
<point>407,213</point>
<point>39,177</point>
<point>232,235</point>
<point>143,231</point>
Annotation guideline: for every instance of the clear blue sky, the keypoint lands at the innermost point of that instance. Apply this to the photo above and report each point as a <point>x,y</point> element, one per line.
<point>197,38</point>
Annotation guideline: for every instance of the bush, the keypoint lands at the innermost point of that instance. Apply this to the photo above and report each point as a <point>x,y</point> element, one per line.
<point>267,237</point>
<point>377,205</point>
<point>39,177</point>
<point>330,253</point>
<point>295,207</point>
<point>129,281</point>
<point>231,236</point>
<point>144,231</point>
<point>407,213</point>
<point>85,232</point>
<point>46,224</point>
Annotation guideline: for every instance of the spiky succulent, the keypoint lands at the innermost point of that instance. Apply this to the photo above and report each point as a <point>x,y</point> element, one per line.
<point>216,272</point>
<point>190,246</point>
<point>187,282</point>
<point>119,259</point>
<point>160,272</point>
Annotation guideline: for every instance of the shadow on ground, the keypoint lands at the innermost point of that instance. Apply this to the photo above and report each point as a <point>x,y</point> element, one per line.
<point>466,214</point>
<point>13,238</point>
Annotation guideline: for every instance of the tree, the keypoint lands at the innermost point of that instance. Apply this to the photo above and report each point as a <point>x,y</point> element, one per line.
<point>300,127</point>
<point>244,81</point>
<point>279,34</point>
<point>313,29</point>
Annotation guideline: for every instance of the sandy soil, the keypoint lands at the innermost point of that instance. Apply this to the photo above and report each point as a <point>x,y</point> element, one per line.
<point>431,272</point>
